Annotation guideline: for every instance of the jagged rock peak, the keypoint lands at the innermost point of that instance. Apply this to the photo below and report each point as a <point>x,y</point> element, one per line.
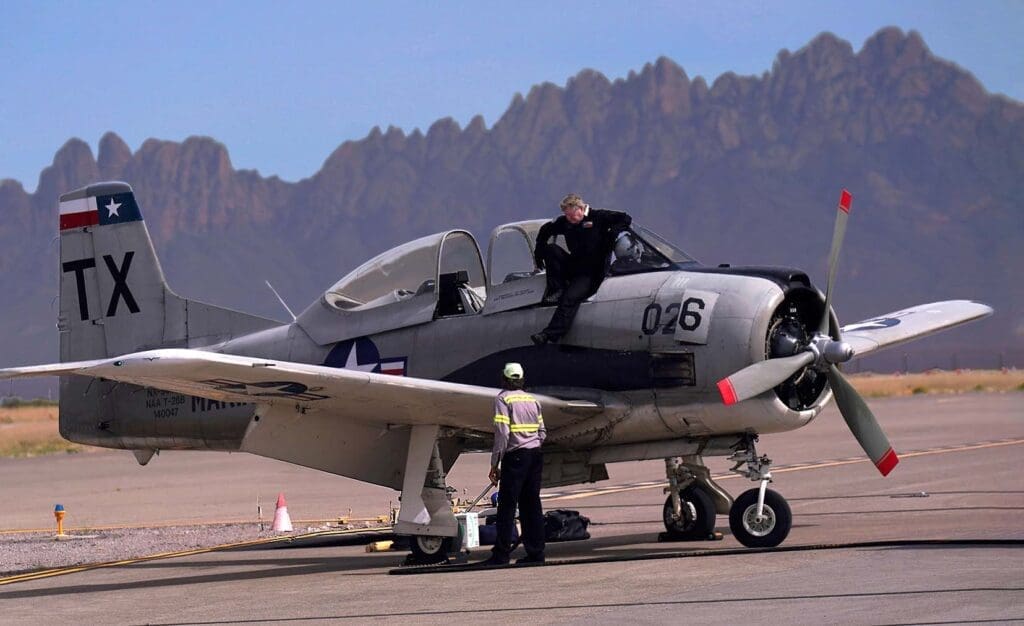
<point>113,155</point>
<point>890,44</point>
<point>476,126</point>
<point>9,185</point>
<point>73,150</point>
<point>73,166</point>
<point>544,92</point>
<point>827,45</point>
<point>587,80</point>
<point>443,127</point>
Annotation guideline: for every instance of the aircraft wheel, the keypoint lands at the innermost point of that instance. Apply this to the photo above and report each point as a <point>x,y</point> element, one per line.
<point>698,519</point>
<point>767,532</point>
<point>427,549</point>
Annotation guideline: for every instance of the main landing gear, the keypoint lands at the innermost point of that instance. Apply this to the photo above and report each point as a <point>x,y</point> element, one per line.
<point>426,513</point>
<point>693,501</point>
<point>759,518</point>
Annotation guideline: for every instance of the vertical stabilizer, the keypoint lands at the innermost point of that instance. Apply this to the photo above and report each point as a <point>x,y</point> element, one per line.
<point>113,296</point>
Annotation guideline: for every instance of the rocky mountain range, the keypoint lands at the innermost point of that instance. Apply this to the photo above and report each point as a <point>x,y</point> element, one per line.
<point>744,171</point>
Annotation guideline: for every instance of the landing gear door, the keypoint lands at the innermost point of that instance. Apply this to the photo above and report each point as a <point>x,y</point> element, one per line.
<point>696,309</point>
<point>513,280</point>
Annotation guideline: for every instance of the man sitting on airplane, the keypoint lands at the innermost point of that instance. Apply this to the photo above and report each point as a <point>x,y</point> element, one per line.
<point>576,275</point>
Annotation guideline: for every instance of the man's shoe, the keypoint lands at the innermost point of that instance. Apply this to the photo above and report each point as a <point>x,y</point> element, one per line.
<point>539,339</point>
<point>530,559</point>
<point>492,561</point>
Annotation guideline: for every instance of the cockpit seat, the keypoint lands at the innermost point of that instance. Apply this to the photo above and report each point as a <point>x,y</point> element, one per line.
<point>456,296</point>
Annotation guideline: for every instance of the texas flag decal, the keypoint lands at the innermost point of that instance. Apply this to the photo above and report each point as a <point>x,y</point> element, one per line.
<point>99,210</point>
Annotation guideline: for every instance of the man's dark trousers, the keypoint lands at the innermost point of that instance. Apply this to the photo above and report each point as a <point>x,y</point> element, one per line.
<point>520,484</point>
<point>576,282</point>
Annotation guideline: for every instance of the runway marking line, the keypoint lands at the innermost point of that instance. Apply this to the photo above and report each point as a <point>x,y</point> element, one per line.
<point>59,571</point>
<point>792,468</point>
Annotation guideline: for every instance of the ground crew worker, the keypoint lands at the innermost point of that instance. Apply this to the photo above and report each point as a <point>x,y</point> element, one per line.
<point>575,276</point>
<point>516,464</point>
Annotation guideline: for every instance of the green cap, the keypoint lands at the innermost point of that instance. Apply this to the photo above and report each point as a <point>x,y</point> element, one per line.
<point>513,371</point>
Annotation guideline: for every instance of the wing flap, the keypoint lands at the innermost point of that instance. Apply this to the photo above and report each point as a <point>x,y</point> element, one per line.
<point>902,326</point>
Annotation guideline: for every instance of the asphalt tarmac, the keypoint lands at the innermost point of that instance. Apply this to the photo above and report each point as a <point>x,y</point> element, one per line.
<point>959,480</point>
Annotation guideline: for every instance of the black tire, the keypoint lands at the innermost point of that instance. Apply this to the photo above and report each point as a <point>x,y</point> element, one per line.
<point>768,533</point>
<point>698,520</point>
<point>427,550</point>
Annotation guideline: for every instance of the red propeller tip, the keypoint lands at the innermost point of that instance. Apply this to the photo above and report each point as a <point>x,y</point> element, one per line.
<point>887,462</point>
<point>728,393</point>
<point>845,200</point>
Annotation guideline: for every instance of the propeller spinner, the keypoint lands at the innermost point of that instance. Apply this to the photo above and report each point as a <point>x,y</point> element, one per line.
<point>822,353</point>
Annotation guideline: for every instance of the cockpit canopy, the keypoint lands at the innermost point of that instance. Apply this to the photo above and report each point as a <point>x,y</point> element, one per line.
<point>443,276</point>
<point>410,270</point>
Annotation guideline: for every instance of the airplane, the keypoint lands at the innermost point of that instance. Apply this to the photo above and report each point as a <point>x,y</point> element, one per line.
<point>391,373</point>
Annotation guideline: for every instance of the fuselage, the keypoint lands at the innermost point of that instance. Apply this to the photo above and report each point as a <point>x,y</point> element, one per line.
<point>624,347</point>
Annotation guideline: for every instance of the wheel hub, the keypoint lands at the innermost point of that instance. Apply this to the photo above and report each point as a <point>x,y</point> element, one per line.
<point>430,545</point>
<point>759,526</point>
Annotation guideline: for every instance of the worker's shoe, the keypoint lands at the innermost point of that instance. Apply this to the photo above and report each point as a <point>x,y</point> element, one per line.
<point>530,559</point>
<point>493,561</point>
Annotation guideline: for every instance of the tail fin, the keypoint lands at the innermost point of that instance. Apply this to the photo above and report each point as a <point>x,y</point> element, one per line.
<point>113,296</point>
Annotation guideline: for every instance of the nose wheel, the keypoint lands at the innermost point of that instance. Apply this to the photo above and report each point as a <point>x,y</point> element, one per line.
<point>766,530</point>
<point>759,518</point>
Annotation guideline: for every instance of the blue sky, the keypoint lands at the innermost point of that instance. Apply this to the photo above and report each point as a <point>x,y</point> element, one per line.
<point>283,84</point>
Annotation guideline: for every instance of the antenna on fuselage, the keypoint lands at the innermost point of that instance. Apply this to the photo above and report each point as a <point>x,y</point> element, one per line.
<point>280,299</point>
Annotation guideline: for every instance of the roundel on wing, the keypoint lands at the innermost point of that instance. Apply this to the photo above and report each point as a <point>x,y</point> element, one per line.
<point>882,322</point>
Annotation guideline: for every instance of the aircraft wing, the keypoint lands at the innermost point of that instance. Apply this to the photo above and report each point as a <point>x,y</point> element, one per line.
<point>917,321</point>
<point>348,394</point>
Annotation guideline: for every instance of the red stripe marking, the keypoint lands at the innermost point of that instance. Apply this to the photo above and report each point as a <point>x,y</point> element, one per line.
<point>887,462</point>
<point>845,200</point>
<point>728,393</point>
<point>395,372</point>
<point>78,220</point>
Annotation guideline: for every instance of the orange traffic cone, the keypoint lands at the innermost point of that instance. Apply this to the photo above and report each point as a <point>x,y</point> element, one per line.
<point>282,521</point>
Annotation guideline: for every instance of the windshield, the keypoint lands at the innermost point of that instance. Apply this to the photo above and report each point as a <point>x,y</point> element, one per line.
<point>667,249</point>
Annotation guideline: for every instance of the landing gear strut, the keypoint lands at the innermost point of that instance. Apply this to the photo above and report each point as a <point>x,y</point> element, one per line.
<point>426,512</point>
<point>760,518</point>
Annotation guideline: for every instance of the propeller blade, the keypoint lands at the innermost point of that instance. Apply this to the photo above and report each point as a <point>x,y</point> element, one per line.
<point>838,233</point>
<point>862,422</point>
<point>760,377</point>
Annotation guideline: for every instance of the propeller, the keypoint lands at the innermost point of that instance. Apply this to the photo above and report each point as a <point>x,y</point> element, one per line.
<point>822,353</point>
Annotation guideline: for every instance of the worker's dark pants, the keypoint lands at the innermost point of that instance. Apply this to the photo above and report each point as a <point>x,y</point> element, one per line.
<point>576,284</point>
<point>520,485</point>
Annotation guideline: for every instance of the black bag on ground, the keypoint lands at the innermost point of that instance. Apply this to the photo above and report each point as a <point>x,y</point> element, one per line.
<point>565,525</point>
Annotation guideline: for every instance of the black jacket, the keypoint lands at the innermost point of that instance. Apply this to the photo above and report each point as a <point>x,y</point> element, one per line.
<point>589,242</point>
